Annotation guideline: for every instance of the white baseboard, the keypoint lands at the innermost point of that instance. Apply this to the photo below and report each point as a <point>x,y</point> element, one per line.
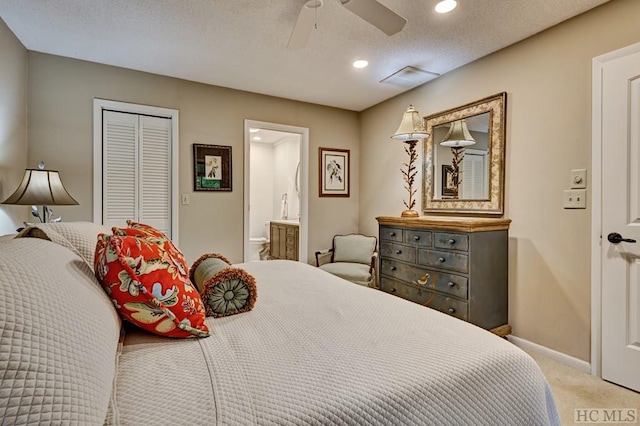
<point>576,363</point>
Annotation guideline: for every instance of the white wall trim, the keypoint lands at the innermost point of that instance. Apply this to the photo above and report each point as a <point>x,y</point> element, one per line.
<point>596,202</point>
<point>304,182</point>
<point>565,359</point>
<point>101,104</point>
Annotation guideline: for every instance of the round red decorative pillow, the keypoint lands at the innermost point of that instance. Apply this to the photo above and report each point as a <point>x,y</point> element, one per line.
<point>149,285</point>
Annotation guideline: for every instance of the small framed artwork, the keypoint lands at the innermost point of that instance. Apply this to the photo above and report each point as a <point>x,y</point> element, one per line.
<point>448,186</point>
<point>334,172</point>
<point>211,167</point>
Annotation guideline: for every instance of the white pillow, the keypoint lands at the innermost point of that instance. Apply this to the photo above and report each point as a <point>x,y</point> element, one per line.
<point>58,337</point>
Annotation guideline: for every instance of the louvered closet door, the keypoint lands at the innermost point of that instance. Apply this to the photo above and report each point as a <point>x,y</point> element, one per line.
<point>155,177</point>
<point>473,177</point>
<point>136,170</point>
<point>119,144</point>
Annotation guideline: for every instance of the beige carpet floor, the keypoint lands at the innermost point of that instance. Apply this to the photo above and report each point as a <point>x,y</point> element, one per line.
<point>574,389</point>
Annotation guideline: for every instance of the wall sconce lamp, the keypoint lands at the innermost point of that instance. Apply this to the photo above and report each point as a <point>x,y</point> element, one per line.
<point>411,129</point>
<point>457,138</point>
<point>41,187</point>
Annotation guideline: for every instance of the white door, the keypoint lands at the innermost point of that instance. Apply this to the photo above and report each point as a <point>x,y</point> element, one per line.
<point>135,165</point>
<point>620,127</point>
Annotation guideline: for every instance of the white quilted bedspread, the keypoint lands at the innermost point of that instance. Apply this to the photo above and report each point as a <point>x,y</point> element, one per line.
<point>317,350</point>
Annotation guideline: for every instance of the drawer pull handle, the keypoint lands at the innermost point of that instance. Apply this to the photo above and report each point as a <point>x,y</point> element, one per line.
<point>393,290</point>
<point>423,280</point>
<point>416,237</point>
<point>451,310</point>
<point>452,241</point>
<point>393,268</point>
<point>451,284</point>
<point>393,234</point>
<point>441,259</point>
<point>398,251</point>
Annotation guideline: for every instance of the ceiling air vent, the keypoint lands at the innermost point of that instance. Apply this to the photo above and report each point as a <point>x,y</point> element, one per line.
<point>409,77</point>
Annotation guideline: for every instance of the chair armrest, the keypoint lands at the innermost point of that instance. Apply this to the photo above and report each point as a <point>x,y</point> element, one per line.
<point>374,260</point>
<point>321,253</point>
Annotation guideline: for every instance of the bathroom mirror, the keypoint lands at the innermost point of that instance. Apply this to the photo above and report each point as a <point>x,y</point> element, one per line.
<point>464,156</point>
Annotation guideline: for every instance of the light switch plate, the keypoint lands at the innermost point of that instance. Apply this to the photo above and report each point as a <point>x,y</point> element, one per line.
<point>575,199</point>
<point>578,178</point>
<point>185,199</point>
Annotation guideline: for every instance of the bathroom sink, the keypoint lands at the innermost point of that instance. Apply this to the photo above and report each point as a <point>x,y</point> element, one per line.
<point>286,221</point>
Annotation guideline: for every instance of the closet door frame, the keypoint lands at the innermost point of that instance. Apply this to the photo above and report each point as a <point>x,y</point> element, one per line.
<point>99,105</point>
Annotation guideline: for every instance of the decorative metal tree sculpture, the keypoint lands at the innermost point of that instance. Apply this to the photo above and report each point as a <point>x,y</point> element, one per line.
<point>410,174</point>
<point>456,178</point>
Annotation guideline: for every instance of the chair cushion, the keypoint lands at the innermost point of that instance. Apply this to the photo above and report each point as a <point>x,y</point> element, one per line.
<point>353,248</point>
<point>355,272</point>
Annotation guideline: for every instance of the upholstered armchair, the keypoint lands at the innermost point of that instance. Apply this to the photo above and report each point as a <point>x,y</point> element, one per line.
<point>353,257</point>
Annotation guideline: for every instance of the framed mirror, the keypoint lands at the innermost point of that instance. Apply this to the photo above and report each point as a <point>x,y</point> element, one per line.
<point>464,158</point>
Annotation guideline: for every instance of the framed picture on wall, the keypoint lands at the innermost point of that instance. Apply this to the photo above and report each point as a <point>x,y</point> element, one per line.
<point>448,187</point>
<point>334,172</point>
<point>211,167</point>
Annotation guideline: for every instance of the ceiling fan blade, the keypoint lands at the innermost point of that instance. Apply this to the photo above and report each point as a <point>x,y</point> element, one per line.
<point>304,25</point>
<point>377,14</point>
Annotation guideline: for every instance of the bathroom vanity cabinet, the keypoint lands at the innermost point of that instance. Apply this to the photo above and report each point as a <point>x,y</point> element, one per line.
<point>284,237</point>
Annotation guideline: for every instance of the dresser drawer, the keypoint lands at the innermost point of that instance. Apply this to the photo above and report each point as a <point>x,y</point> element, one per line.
<point>451,241</point>
<point>444,260</point>
<point>448,283</point>
<point>390,234</point>
<point>397,251</point>
<point>400,270</point>
<point>425,297</point>
<point>443,282</point>
<point>421,238</point>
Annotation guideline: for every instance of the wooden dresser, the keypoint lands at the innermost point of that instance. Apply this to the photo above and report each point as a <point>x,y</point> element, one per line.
<point>455,265</point>
<point>284,238</point>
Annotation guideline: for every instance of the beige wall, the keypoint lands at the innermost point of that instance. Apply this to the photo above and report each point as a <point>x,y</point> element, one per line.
<point>548,83</point>
<point>13,125</point>
<point>61,93</point>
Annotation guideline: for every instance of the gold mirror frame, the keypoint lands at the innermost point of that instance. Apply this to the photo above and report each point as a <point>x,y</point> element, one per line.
<point>494,205</point>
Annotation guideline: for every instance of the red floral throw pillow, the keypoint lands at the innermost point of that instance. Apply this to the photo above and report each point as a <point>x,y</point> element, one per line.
<point>149,286</point>
<point>136,229</point>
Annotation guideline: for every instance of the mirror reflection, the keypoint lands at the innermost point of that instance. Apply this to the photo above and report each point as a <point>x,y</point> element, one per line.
<point>464,156</point>
<point>461,158</point>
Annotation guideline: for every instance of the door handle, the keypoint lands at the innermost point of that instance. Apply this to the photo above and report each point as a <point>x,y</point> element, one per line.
<point>616,238</point>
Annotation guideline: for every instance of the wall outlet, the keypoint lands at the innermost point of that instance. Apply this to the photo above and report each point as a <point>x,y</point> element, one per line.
<point>185,199</point>
<point>575,199</point>
<point>578,178</point>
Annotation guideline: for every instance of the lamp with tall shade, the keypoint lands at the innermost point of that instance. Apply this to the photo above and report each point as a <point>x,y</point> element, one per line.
<point>457,138</point>
<point>41,187</point>
<point>410,131</point>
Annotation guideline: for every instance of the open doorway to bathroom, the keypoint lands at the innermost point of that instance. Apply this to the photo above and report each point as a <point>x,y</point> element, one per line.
<point>275,191</point>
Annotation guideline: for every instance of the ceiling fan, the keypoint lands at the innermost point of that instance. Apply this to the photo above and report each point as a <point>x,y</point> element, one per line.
<point>372,11</point>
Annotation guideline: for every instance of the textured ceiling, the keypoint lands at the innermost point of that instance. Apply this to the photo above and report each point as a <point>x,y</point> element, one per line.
<point>241,44</point>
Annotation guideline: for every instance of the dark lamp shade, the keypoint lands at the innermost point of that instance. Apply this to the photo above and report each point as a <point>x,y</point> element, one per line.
<point>41,187</point>
<point>411,127</point>
<point>458,135</point>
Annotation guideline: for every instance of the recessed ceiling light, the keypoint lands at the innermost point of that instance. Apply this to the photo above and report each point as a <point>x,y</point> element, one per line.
<point>252,130</point>
<point>446,6</point>
<point>360,63</point>
<point>256,138</point>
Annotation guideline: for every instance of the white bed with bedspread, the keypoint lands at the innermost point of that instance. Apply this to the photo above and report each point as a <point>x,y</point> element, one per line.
<point>315,350</point>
